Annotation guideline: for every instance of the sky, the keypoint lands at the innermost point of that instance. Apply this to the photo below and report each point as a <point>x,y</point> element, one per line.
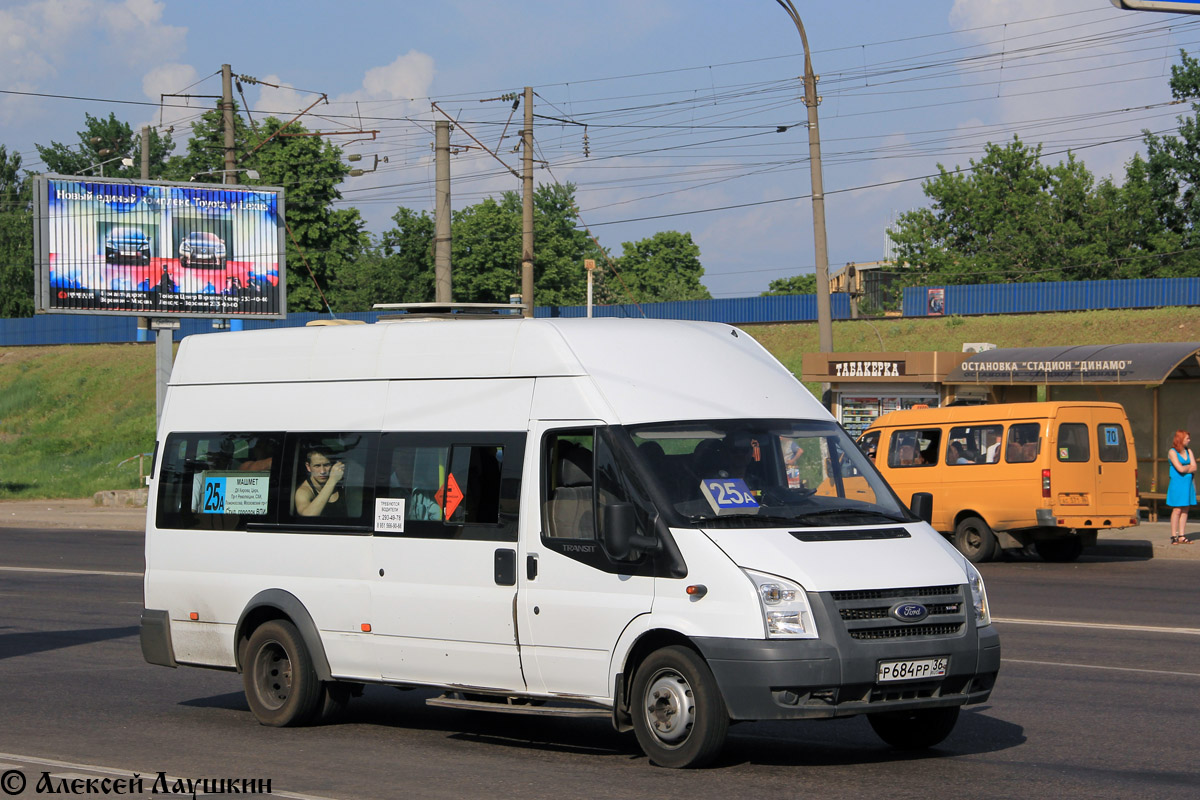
<point>679,115</point>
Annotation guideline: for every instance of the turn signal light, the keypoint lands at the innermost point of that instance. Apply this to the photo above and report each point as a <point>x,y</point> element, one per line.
<point>194,616</point>
<point>1045,483</point>
<point>366,627</point>
<point>697,590</point>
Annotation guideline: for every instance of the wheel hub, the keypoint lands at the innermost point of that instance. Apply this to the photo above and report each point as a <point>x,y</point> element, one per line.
<point>669,708</point>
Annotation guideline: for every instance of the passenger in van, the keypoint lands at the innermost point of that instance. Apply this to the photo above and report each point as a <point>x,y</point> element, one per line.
<point>906,455</point>
<point>954,455</point>
<point>319,493</point>
<point>991,446</point>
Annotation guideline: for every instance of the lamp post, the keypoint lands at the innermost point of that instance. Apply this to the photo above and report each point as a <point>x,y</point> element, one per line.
<point>824,315</point>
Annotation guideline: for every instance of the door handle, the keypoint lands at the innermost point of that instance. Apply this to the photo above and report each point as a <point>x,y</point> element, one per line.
<point>506,567</point>
<point>531,566</point>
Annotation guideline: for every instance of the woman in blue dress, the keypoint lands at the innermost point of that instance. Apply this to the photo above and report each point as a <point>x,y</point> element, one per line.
<point>1181,491</point>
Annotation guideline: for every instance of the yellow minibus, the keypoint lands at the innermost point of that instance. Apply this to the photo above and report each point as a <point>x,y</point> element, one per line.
<point>1014,474</point>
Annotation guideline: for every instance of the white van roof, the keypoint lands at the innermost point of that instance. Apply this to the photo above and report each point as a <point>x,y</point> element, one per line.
<point>644,369</point>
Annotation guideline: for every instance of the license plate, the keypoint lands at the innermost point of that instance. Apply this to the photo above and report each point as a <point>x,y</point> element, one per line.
<point>912,670</point>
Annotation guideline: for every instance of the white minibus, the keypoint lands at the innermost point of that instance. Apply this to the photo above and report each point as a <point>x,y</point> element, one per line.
<point>646,521</point>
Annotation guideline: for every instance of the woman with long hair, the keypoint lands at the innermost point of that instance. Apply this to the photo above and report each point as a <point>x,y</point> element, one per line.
<point>1181,491</point>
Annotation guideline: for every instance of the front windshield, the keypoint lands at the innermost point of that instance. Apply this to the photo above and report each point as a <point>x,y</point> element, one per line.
<point>762,473</point>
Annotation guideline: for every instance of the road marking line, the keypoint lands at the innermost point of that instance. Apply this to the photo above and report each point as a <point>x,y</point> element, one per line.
<point>1099,626</point>
<point>49,571</point>
<point>1096,666</point>
<point>147,777</point>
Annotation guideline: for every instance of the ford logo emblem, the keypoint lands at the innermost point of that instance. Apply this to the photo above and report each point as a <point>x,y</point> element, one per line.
<point>909,612</point>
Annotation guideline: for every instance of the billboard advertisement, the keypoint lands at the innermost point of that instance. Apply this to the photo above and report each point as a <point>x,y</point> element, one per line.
<point>154,248</point>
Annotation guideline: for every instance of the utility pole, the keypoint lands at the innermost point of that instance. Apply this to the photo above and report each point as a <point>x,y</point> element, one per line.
<point>227,114</point>
<point>824,314</point>
<point>145,152</point>
<point>527,206</point>
<point>441,213</point>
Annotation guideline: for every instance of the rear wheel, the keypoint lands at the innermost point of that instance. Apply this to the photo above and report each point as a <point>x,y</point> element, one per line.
<point>678,713</point>
<point>281,684</point>
<point>915,729</point>
<point>1059,550</point>
<point>975,540</point>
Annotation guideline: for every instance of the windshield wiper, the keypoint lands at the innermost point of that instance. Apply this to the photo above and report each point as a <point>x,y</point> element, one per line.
<point>768,518</point>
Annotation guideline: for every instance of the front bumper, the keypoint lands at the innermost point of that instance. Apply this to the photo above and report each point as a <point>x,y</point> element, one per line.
<point>835,676</point>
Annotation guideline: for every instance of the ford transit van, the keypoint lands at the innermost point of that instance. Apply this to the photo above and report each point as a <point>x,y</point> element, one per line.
<point>1048,475</point>
<point>649,522</point>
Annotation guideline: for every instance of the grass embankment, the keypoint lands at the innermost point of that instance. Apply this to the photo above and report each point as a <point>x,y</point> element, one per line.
<point>70,413</point>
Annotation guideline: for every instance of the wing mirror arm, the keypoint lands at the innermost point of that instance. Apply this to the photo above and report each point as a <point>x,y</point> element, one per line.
<point>618,535</point>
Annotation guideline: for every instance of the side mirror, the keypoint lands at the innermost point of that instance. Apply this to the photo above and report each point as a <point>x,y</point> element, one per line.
<point>922,506</point>
<point>619,538</point>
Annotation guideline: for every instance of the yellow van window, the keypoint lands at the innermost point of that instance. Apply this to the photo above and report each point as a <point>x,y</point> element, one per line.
<point>915,448</point>
<point>1110,441</point>
<point>1023,443</point>
<point>1073,442</point>
<point>973,444</point>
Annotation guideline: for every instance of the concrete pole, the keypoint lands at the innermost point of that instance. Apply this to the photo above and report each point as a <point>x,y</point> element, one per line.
<point>527,205</point>
<point>145,152</point>
<point>227,115</point>
<point>443,284</point>
<point>824,314</point>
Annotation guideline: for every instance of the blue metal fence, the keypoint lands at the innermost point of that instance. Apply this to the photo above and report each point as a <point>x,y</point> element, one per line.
<point>48,329</point>
<point>1028,298</point>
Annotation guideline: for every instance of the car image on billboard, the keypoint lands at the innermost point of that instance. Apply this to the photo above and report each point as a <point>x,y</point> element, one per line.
<point>127,246</point>
<point>202,249</point>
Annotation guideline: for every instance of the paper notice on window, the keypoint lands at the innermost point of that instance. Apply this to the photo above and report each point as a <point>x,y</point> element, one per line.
<point>389,515</point>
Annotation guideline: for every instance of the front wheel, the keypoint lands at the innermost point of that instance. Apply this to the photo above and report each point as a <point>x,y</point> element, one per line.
<point>281,684</point>
<point>915,729</point>
<point>678,713</point>
<point>975,540</point>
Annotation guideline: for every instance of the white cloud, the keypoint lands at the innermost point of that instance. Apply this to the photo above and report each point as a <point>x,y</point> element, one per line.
<point>42,39</point>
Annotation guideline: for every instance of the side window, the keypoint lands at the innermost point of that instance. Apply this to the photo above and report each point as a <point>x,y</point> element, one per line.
<point>1110,441</point>
<point>449,485</point>
<point>218,481</point>
<point>581,475</point>
<point>869,443</point>
<point>1073,442</point>
<point>330,477</point>
<point>973,444</point>
<point>1023,443</point>
<point>914,448</point>
<point>568,465</point>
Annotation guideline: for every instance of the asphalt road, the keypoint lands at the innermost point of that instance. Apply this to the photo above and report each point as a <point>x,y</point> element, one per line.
<point>1098,697</point>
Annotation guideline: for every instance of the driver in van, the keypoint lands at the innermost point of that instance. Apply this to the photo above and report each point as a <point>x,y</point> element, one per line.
<point>319,493</point>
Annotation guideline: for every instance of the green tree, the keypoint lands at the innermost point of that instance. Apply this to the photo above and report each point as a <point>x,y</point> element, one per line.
<point>1008,219</point>
<point>399,269</point>
<point>797,284</point>
<point>664,267</point>
<point>107,140</point>
<point>16,238</point>
<point>1168,184</point>
<point>323,242</point>
<point>486,251</point>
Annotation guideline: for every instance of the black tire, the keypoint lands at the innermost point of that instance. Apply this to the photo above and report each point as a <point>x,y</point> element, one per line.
<point>1059,551</point>
<point>678,713</point>
<point>916,729</point>
<point>281,685</point>
<point>335,697</point>
<point>975,540</point>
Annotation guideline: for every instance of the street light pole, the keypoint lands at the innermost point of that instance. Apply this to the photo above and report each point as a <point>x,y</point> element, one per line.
<point>824,315</point>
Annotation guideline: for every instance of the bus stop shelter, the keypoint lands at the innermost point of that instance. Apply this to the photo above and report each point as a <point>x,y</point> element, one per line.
<point>1158,385</point>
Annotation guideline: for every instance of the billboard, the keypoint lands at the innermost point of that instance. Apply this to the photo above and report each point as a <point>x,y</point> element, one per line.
<point>153,248</point>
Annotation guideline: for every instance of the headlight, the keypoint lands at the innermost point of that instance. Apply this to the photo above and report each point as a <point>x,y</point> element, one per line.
<point>983,615</point>
<point>785,607</point>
